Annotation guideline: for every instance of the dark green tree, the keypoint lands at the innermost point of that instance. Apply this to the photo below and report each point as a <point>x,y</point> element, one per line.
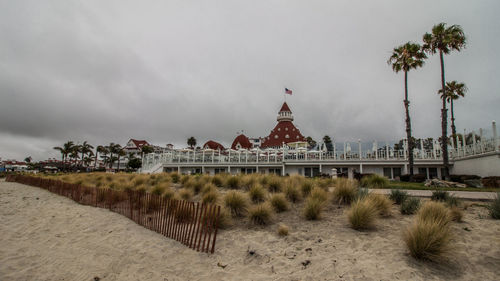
<point>454,91</point>
<point>191,142</point>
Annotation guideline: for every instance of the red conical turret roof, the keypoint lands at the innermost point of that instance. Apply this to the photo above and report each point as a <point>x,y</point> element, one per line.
<point>285,107</point>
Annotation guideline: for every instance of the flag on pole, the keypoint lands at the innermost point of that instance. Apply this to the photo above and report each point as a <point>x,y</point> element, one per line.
<point>287,91</point>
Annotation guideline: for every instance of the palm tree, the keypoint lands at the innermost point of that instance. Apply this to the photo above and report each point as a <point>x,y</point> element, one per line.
<point>113,148</point>
<point>146,149</point>
<point>443,40</point>
<point>85,149</point>
<point>120,153</point>
<point>99,149</point>
<point>191,142</point>
<point>66,149</point>
<point>404,58</point>
<point>454,91</point>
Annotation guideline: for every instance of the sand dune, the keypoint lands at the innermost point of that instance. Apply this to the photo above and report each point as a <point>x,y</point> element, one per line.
<point>47,237</point>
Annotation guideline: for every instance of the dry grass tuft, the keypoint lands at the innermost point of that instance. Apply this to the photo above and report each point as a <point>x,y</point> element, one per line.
<point>456,214</point>
<point>345,191</point>
<point>313,208</point>
<point>282,230</point>
<point>260,214</point>
<point>362,214</point>
<point>381,202</point>
<point>236,202</point>
<point>319,194</point>
<point>257,193</point>
<point>434,211</point>
<point>185,194</point>
<point>210,197</point>
<point>279,203</point>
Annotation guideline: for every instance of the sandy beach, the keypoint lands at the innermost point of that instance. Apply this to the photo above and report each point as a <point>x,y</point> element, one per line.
<point>48,237</point>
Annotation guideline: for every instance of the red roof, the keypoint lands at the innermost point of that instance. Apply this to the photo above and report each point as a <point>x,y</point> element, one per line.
<point>285,107</point>
<point>284,132</point>
<point>243,141</point>
<point>139,143</point>
<point>213,145</point>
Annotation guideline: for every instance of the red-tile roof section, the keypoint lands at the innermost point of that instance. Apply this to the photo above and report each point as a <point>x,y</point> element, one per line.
<point>282,129</point>
<point>243,141</point>
<point>139,143</point>
<point>213,145</point>
<point>285,107</point>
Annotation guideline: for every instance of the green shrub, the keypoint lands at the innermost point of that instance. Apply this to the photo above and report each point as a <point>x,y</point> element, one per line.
<point>278,202</point>
<point>410,206</point>
<point>282,230</point>
<point>236,202</point>
<point>398,196</point>
<point>428,239</point>
<point>345,192</point>
<point>312,209</point>
<point>260,214</point>
<point>233,182</point>
<point>257,193</point>
<point>306,187</point>
<point>494,207</point>
<point>319,193</point>
<point>185,194</point>
<point>292,192</point>
<point>375,181</point>
<point>210,197</point>
<point>439,195</point>
<point>381,202</point>
<point>362,214</point>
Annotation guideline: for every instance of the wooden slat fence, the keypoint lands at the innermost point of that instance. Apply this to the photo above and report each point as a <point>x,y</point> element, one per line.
<point>192,223</point>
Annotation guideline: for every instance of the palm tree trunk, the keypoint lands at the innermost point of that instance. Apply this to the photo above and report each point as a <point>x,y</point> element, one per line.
<point>444,123</point>
<point>453,128</point>
<point>118,163</point>
<point>408,127</point>
<point>95,161</point>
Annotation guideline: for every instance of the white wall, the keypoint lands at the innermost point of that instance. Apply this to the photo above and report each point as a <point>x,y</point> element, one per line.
<point>485,166</point>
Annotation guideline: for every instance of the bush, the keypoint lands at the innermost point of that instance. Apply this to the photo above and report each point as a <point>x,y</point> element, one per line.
<point>312,209</point>
<point>410,206</point>
<point>398,196</point>
<point>208,187</point>
<point>381,203</point>
<point>185,194</point>
<point>362,214</point>
<point>456,214</point>
<point>345,192</point>
<point>168,194</point>
<point>274,185</point>
<point>434,211</point>
<point>257,193</point>
<point>292,193</point>
<point>319,193</point>
<point>225,218</point>
<point>428,239</point>
<point>236,202</point>
<point>210,197</point>
<point>233,182</point>
<point>282,230</point>
<point>260,214</point>
<point>175,177</point>
<point>306,187</point>
<point>218,181</point>
<point>278,202</point>
<point>494,207</point>
<point>184,179</point>
<point>375,181</point>
<point>440,195</point>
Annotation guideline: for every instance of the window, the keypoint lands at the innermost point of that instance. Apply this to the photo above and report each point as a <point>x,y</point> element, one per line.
<point>387,172</point>
<point>287,136</point>
<point>286,129</point>
<point>275,136</point>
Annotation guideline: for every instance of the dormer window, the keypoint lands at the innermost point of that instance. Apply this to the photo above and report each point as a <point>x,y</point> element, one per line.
<point>287,137</point>
<point>276,136</point>
<point>286,129</point>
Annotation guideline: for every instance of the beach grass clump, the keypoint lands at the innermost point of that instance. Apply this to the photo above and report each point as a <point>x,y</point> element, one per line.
<point>282,230</point>
<point>257,193</point>
<point>410,206</point>
<point>175,177</point>
<point>292,192</point>
<point>313,208</point>
<point>198,185</point>
<point>185,194</point>
<point>278,202</point>
<point>381,203</point>
<point>236,202</point>
<point>456,214</point>
<point>428,239</point>
<point>208,187</point>
<point>248,181</point>
<point>210,197</point>
<point>494,207</point>
<point>362,214</point>
<point>398,196</point>
<point>168,194</point>
<point>159,189</point>
<point>374,181</point>
<point>225,218</point>
<point>139,181</point>
<point>345,191</point>
<point>275,185</point>
<point>453,201</point>
<point>218,181</point>
<point>183,213</point>
<point>306,187</point>
<point>434,211</point>
<point>184,179</point>
<point>260,214</point>
<point>319,194</point>
<point>440,195</point>
<point>233,182</point>
<point>362,193</point>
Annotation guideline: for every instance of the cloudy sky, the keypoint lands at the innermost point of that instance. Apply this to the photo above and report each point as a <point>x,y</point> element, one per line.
<point>107,71</point>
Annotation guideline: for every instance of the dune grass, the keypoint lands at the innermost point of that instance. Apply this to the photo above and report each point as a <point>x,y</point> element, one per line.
<point>362,214</point>
<point>279,203</point>
<point>345,191</point>
<point>260,214</point>
<point>374,181</point>
<point>236,202</point>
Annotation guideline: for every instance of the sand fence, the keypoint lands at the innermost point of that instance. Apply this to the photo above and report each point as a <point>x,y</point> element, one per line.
<point>193,224</point>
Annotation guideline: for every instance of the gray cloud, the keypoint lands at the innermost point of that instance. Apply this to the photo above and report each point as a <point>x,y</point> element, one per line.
<point>166,70</point>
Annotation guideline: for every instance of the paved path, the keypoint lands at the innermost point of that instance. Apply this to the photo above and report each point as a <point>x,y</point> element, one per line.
<point>471,195</point>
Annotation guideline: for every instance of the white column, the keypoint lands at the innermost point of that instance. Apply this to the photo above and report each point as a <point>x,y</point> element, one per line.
<point>359,148</point>
<point>344,152</point>
<point>360,168</point>
<point>405,146</point>
<point>422,150</point>
<point>229,155</point>
<point>194,156</point>
<point>306,155</point>
<point>481,141</point>
<point>239,156</point>
<point>203,156</point>
<point>434,149</point>
<point>334,151</point>
<point>258,154</point>
<point>213,156</point>
<point>458,145</point>
<point>387,151</point>
<point>219,156</point>
<point>474,142</point>
<point>495,137</point>
<point>463,142</point>
<point>246,156</point>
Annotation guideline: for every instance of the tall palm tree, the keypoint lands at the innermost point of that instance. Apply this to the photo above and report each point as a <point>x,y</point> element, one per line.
<point>120,153</point>
<point>66,149</point>
<point>443,40</point>
<point>113,148</point>
<point>404,58</point>
<point>99,149</point>
<point>454,91</point>
<point>85,149</point>
<point>191,142</point>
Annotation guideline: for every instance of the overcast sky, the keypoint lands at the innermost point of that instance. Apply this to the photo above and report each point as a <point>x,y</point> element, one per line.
<point>108,71</point>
